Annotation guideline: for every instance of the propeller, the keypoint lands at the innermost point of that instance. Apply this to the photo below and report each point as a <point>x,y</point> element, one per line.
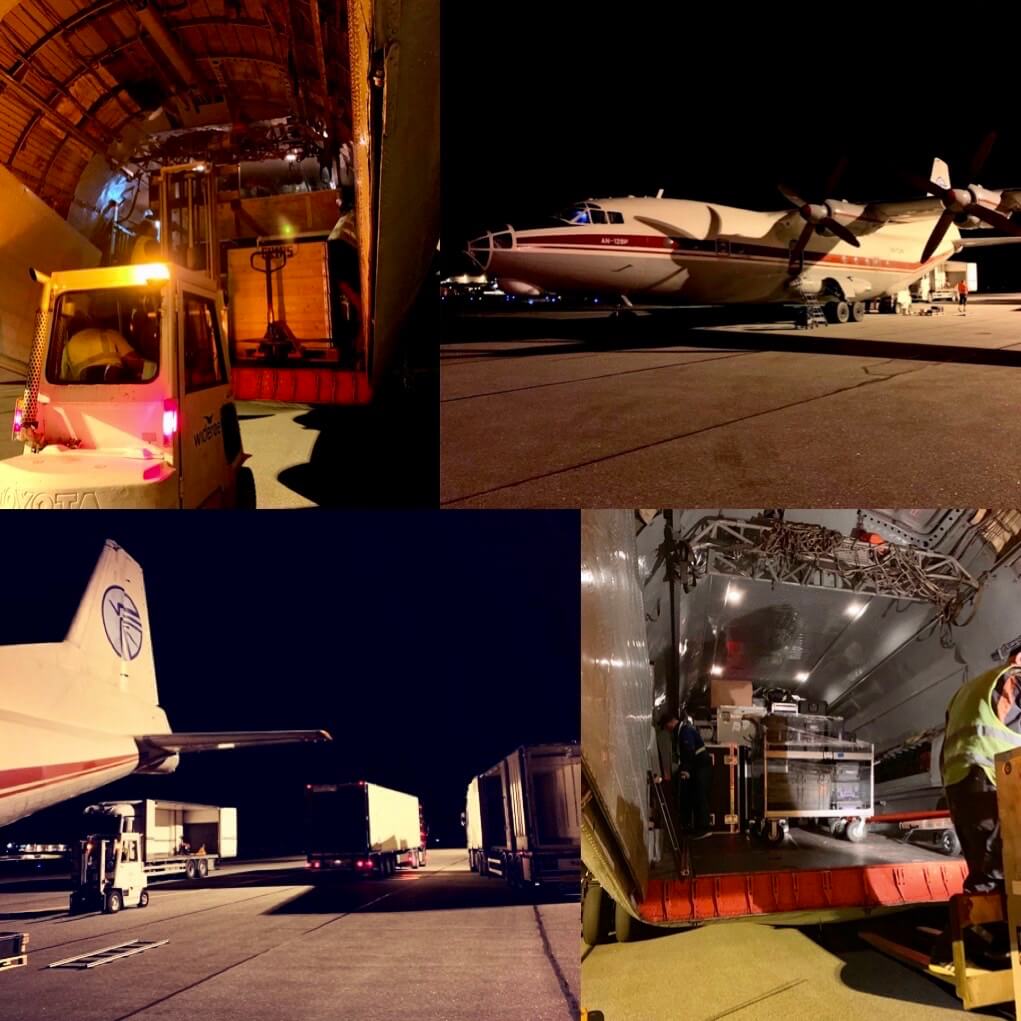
<point>961,204</point>
<point>821,215</point>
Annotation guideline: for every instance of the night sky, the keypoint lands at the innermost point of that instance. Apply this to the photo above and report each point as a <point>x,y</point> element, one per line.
<point>429,644</point>
<point>546,104</point>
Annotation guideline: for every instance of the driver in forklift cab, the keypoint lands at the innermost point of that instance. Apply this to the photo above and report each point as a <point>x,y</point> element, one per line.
<point>695,775</point>
<point>89,348</point>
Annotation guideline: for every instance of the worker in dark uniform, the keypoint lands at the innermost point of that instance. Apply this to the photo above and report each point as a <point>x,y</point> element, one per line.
<point>695,772</point>
<point>983,719</point>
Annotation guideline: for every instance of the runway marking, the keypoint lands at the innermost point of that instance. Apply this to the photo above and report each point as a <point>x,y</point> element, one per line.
<point>267,950</point>
<point>157,921</point>
<point>602,375</point>
<point>589,462</point>
<point>755,999</point>
<point>565,989</point>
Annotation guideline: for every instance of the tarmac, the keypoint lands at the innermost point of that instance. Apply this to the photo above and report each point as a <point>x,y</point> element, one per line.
<point>274,942</point>
<point>747,972</point>
<point>553,409</point>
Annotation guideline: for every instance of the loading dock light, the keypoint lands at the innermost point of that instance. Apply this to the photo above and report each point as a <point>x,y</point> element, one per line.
<point>801,676</point>
<point>855,610</point>
<point>716,671</point>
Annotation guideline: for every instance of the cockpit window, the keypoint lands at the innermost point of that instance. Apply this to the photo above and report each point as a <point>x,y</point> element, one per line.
<point>576,215</point>
<point>105,336</point>
<point>588,213</point>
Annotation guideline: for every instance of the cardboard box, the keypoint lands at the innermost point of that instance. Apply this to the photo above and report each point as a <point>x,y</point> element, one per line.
<point>730,693</point>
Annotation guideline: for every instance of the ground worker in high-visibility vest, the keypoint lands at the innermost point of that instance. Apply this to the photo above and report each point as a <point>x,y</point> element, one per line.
<point>983,719</point>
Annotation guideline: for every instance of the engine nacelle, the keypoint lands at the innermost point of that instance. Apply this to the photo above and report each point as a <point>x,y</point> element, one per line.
<point>520,288</point>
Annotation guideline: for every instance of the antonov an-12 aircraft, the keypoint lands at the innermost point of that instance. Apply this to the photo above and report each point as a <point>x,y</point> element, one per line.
<point>78,714</point>
<point>665,250</point>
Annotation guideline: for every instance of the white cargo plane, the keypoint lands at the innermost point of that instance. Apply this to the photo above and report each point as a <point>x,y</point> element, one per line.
<point>834,252</point>
<point>78,714</point>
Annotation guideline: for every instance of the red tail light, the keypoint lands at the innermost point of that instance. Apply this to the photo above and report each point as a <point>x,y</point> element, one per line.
<point>169,420</point>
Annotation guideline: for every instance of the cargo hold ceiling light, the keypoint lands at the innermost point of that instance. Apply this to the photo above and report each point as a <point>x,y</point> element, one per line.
<point>733,596</point>
<point>716,671</point>
<point>801,676</point>
<point>855,610</point>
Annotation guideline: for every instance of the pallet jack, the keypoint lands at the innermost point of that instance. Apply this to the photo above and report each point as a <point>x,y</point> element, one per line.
<point>279,341</point>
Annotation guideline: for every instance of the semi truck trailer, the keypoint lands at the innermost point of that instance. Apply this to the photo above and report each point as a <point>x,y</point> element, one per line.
<point>363,828</point>
<point>522,817</point>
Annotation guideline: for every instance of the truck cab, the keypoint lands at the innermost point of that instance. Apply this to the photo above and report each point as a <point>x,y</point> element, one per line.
<point>128,401</point>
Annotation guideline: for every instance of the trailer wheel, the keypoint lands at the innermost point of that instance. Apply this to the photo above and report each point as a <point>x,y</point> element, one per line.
<point>114,902</point>
<point>949,843</point>
<point>628,928</point>
<point>855,831</point>
<point>75,906</point>
<point>203,867</point>
<point>190,868</point>
<point>593,932</point>
<point>143,899</point>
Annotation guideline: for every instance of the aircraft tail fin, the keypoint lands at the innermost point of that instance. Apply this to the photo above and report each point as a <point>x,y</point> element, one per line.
<point>111,627</point>
<point>940,173</point>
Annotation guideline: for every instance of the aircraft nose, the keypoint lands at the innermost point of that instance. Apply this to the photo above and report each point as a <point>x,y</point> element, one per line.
<point>482,248</point>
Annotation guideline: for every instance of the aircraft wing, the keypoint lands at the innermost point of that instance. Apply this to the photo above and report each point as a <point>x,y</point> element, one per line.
<point>220,740</point>
<point>985,242</point>
<point>906,211</point>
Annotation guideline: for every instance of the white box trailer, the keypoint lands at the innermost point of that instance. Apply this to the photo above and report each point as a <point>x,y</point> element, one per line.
<point>363,828</point>
<point>125,844</point>
<point>940,283</point>
<point>522,817</point>
<point>176,837</point>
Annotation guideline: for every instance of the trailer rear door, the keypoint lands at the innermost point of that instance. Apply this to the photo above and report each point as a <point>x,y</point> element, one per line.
<point>616,697</point>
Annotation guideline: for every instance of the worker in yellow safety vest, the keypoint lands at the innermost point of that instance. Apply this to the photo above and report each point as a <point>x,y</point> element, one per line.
<point>983,719</point>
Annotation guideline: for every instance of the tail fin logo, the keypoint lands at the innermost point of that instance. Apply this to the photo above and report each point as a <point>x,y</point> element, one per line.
<point>123,622</point>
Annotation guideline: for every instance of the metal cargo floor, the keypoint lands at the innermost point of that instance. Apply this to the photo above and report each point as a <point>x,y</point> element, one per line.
<point>723,854</point>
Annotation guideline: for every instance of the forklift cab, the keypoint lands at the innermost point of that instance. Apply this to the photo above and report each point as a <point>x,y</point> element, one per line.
<point>108,871</point>
<point>128,401</point>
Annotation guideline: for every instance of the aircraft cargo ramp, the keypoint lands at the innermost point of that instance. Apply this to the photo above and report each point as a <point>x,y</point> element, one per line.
<point>812,877</point>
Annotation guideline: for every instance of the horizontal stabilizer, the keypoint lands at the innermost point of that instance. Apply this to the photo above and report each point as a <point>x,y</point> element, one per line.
<point>221,740</point>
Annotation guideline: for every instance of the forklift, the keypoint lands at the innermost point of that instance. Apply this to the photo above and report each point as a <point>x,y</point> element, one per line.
<point>108,871</point>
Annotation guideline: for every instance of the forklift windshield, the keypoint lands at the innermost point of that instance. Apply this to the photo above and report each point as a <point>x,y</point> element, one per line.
<point>106,336</point>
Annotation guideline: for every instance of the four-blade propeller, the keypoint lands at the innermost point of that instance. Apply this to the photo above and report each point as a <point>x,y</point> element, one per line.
<point>820,215</point>
<point>960,204</point>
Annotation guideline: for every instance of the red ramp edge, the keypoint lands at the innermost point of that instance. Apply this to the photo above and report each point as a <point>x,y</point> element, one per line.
<point>743,895</point>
